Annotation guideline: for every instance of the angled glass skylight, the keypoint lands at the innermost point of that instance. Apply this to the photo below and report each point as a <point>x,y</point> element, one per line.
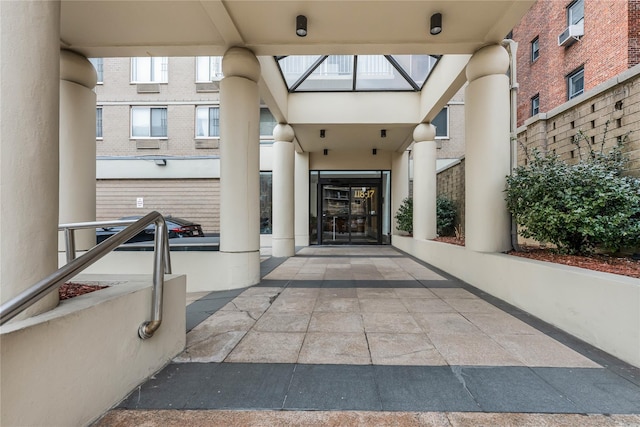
<point>340,73</point>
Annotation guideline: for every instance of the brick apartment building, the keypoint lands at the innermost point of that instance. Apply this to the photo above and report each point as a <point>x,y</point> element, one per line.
<point>577,71</point>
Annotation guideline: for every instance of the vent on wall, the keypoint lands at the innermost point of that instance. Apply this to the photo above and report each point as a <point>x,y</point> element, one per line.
<point>570,35</point>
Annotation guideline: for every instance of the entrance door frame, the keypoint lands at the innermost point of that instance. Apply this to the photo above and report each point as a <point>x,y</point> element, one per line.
<point>349,182</point>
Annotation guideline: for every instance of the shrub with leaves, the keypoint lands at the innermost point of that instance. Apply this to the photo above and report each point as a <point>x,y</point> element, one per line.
<point>404,216</point>
<point>446,216</point>
<point>577,207</point>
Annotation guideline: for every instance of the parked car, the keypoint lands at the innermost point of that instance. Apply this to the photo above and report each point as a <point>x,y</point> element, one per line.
<point>176,227</point>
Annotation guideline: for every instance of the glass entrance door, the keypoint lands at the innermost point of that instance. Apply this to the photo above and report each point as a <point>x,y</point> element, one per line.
<point>350,214</point>
<point>364,223</point>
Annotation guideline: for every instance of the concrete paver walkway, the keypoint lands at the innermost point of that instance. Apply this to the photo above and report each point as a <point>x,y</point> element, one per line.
<point>370,329</point>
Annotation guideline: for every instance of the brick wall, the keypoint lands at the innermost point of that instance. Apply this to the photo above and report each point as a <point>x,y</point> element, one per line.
<point>634,32</point>
<point>450,184</point>
<point>615,108</point>
<point>453,147</point>
<point>116,96</point>
<point>197,200</point>
<point>604,50</point>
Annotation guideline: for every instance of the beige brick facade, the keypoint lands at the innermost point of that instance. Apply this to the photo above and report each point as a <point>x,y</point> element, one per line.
<point>614,106</point>
<point>195,199</point>
<point>450,184</point>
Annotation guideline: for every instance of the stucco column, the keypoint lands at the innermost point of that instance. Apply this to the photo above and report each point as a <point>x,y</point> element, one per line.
<point>77,146</point>
<point>487,226</point>
<point>29,102</point>
<point>424,182</point>
<point>301,198</point>
<point>399,184</point>
<point>283,210</point>
<point>240,168</point>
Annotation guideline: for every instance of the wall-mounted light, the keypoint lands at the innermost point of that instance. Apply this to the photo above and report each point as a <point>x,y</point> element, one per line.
<point>161,162</point>
<point>301,25</point>
<point>325,151</point>
<point>375,151</point>
<point>436,24</point>
<point>322,133</point>
<point>383,133</point>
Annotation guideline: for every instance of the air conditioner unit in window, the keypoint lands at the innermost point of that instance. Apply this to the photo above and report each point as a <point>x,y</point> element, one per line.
<point>570,35</point>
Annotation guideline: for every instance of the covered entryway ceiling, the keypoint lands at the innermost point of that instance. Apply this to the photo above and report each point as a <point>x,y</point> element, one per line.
<point>106,28</point>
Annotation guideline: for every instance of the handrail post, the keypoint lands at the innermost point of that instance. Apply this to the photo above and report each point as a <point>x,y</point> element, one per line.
<point>70,241</point>
<point>160,249</point>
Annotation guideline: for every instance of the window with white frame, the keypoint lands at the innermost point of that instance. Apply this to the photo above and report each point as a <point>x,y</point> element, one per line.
<point>207,122</point>
<point>148,122</point>
<point>575,83</point>
<point>208,68</point>
<point>99,66</point>
<point>535,49</point>
<point>575,13</point>
<point>535,105</point>
<point>149,69</point>
<point>267,124</point>
<point>441,122</point>
<point>99,123</point>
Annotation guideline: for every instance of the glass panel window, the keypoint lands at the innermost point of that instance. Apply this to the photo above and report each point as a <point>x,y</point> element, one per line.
<point>99,66</point>
<point>266,190</point>
<point>575,12</point>
<point>208,68</point>
<point>207,122</point>
<point>535,105</point>
<point>267,123</point>
<point>575,83</point>
<point>441,122</point>
<point>335,73</point>
<point>150,122</point>
<point>535,49</point>
<point>149,69</point>
<point>99,122</point>
<point>375,72</point>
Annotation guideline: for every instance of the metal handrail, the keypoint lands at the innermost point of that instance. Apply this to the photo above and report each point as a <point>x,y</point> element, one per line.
<point>161,261</point>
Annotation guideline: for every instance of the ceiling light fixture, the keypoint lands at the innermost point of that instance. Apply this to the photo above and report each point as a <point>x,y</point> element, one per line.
<point>325,151</point>
<point>375,151</point>
<point>301,25</point>
<point>436,24</point>
<point>383,133</point>
<point>321,133</point>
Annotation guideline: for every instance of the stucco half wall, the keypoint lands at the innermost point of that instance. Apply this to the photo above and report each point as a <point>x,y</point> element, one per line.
<point>600,308</point>
<point>67,366</point>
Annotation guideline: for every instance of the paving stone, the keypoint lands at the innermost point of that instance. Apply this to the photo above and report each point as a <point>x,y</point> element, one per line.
<point>453,293</point>
<point>335,322</point>
<point>500,323</point>
<point>465,305</point>
<point>401,323</point>
<point>513,389</point>
<point>541,350</point>
<point>419,293</point>
<point>267,347</point>
<point>472,349</point>
<point>595,391</point>
<point>351,305</point>
<point>335,348</point>
<point>422,388</point>
<point>293,305</point>
<point>214,347</point>
<point>445,323</point>
<point>403,349</point>
<point>382,305</point>
<point>321,387</point>
<point>285,322</point>
<point>326,293</point>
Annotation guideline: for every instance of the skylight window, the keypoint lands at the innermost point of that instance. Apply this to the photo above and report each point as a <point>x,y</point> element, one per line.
<point>340,73</point>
